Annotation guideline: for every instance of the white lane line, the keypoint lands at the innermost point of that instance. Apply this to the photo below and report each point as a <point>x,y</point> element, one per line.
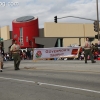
<point>17,80</point>
<point>54,85</point>
<point>74,88</point>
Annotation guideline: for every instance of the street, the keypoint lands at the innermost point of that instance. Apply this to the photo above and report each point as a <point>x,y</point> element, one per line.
<point>50,80</point>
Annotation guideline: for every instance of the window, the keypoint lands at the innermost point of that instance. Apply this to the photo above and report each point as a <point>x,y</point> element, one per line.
<point>21,32</point>
<point>26,38</point>
<point>21,36</point>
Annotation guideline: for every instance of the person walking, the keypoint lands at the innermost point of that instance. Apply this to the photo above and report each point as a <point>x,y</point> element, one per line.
<point>1,57</point>
<point>15,50</point>
<point>88,51</point>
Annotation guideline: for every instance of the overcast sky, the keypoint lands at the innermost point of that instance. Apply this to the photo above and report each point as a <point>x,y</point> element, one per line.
<point>45,10</point>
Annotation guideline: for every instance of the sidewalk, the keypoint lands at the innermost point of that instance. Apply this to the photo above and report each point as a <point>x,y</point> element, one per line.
<point>59,65</point>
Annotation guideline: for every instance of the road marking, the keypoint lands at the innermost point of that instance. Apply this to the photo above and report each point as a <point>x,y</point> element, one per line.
<point>54,85</point>
<point>74,88</point>
<point>83,71</point>
<point>17,80</point>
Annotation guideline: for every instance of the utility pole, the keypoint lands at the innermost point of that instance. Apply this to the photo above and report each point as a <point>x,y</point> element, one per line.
<point>97,18</point>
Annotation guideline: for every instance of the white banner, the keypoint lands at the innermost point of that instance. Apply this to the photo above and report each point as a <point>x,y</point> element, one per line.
<point>55,52</point>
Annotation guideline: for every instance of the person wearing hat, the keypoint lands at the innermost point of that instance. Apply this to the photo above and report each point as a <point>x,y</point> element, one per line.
<point>15,50</point>
<point>1,57</point>
<point>88,51</point>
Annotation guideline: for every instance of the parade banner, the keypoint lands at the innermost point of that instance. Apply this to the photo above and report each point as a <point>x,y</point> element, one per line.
<point>56,52</point>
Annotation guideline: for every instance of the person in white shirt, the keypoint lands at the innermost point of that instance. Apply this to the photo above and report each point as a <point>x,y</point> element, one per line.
<point>15,49</point>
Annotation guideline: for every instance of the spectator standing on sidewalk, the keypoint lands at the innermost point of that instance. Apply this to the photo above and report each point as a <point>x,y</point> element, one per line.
<point>31,54</point>
<point>98,43</point>
<point>88,51</point>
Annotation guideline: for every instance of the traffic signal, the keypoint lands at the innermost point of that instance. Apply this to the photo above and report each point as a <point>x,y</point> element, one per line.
<point>55,19</point>
<point>95,26</point>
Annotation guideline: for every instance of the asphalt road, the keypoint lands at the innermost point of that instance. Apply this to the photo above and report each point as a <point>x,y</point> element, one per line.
<point>50,80</point>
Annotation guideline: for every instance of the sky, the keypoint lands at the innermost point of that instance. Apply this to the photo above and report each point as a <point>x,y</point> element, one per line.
<point>45,10</point>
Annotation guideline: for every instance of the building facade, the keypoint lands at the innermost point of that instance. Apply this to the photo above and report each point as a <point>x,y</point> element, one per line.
<point>24,29</point>
<point>52,35</point>
<point>67,34</point>
<point>4,32</point>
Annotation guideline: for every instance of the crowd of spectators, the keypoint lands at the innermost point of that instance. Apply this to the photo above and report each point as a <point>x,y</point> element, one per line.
<point>28,55</point>
<point>23,54</point>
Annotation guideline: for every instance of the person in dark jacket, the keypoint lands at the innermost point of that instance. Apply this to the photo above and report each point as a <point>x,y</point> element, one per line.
<point>1,57</point>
